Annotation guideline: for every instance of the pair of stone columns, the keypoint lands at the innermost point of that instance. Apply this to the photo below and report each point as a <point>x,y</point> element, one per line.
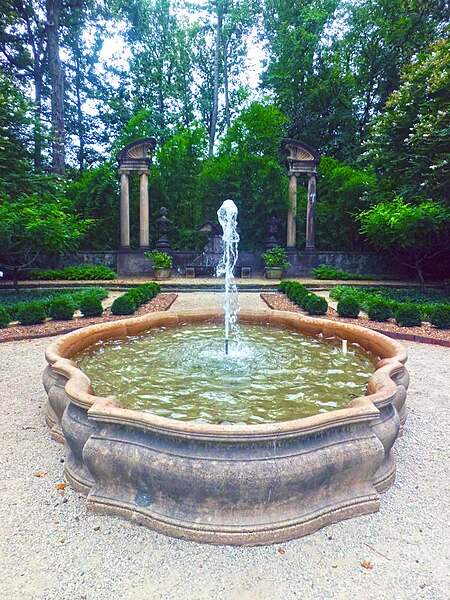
<point>310,214</point>
<point>125,209</point>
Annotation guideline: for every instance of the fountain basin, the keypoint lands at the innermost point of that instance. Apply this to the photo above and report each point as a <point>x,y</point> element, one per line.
<point>238,484</point>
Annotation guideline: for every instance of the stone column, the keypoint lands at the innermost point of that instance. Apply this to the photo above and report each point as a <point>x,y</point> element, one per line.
<point>292,212</point>
<point>124,210</point>
<point>310,214</point>
<point>143,211</point>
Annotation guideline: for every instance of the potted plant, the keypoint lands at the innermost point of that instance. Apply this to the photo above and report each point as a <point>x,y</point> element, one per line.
<point>276,262</point>
<point>162,263</point>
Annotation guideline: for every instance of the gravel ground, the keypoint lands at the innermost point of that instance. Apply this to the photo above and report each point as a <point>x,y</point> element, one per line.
<point>52,548</point>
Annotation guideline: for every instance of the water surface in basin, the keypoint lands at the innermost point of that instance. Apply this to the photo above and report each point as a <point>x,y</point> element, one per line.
<point>183,373</point>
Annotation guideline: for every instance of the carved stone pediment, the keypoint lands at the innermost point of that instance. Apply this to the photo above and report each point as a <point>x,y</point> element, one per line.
<point>136,156</point>
<point>300,157</point>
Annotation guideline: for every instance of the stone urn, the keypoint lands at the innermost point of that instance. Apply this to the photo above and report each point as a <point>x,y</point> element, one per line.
<point>274,272</point>
<point>159,274</point>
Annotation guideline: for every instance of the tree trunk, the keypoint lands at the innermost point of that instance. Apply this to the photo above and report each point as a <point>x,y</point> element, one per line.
<point>225,86</point>
<point>215,110</point>
<point>57,84</point>
<point>80,118</point>
<point>37,132</point>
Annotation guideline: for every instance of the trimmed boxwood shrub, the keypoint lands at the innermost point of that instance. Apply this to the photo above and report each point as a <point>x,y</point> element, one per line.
<point>91,306</point>
<point>123,305</point>
<point>348,308</point>
<point>379,310</point>
<point>137,295</point>
<point>31,313</point>
<point>4,317</point>
<point>440,317</point>
<point>408,315</point>
<point>62,309</point>
<point>316,305</point>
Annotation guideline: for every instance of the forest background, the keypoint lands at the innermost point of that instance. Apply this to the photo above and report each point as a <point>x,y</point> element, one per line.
<point>219,83</point>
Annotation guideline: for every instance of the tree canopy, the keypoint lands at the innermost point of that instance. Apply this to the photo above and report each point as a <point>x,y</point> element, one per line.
<point>218,83</point>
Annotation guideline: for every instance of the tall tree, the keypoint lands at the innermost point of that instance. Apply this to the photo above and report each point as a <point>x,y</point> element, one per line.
<point>56,73</point>
<point>23,48</point>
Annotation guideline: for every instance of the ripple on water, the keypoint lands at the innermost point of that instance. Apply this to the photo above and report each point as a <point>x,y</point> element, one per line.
<point>271,375</point>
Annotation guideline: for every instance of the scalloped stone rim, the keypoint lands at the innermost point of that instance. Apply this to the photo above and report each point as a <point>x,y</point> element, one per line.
<point>240,484</point>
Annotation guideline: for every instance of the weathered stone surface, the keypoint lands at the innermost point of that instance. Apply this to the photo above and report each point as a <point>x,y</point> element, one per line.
<point>242,484</point>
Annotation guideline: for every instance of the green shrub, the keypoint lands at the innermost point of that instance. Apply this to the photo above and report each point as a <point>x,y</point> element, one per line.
<point>123,305</point>
<point>62,309</point>
<point>4,317</point>
<point>408,315</point>
<point>91,305</point>
<point>379,310</point>
<point>440,317</point>
<point>327,272</point>
<point>137,295</point>
<point>83,272</point>
<point>160,260</point>
<point>316,305</point>
<point>149,290</point>
<point>348,308</point>
<point>31,313</point>
<point>276,257</point>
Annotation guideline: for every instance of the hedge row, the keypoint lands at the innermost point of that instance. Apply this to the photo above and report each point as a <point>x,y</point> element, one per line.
<point>129,302</point>
<point>379,308</point>
<point>81,273</point>
<point>310,302</point>
<point>327,272</point>
<point>61,307</point>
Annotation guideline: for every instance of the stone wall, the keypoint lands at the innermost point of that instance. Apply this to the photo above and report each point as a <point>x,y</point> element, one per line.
<point>134,263</point>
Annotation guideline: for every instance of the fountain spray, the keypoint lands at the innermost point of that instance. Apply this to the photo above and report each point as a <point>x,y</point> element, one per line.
<point>227,215</point>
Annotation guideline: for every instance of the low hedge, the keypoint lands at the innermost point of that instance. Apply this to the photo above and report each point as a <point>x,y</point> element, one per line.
<point>327,272</point>
<point>62,309</point>
<point>348,308</point>
<point>379,310</point>
<point>440,317</point>
<point>316,305</point>
<point>408,315</point>
<point>4,317</point>
<point>129,302</point>
<point>300,295</point>
<point>91,305</point>
<point>31,313</point>
<point>37,297</point>
<point>83,272</point>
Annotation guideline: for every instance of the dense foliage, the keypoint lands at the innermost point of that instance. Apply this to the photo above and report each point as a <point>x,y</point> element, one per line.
<point>80,273</point>
<point>364,82</point>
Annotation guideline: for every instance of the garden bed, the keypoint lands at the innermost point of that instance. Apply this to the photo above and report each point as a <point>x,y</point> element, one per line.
<point>425,333</point>
<point>50,327</point>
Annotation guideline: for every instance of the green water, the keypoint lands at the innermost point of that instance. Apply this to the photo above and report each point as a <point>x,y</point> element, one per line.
<point>271,375</point>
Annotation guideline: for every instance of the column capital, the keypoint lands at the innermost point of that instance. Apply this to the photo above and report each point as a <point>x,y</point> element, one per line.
<point>144,172</point>
<point>124,171</point>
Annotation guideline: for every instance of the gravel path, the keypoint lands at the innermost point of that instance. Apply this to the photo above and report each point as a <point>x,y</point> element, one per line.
<point>52,548</point>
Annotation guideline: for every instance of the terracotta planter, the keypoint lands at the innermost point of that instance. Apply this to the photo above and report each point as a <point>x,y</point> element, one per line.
<point>274,272</point>
<point>161,274</point>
